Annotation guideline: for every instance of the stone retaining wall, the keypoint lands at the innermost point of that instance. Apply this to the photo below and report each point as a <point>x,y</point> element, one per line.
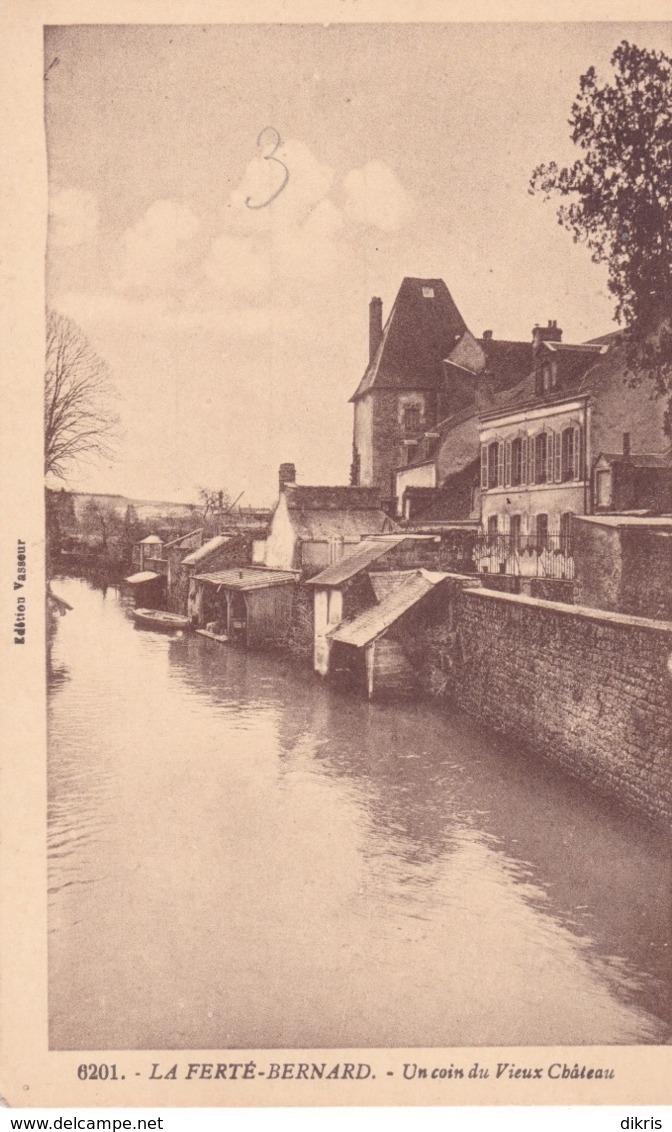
<point>590,690</point>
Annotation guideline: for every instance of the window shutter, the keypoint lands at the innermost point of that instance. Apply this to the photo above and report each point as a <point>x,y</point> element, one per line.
<point>531,459</point>
<point>523,460</point>
<point>558,457</point>
<point>550,454</point>
<point>507,463</point>
<point>500,464</point>
<point>484,467</point>
<point>576,470</point>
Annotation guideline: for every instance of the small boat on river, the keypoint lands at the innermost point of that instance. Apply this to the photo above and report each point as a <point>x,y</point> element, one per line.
<point>159,619</point>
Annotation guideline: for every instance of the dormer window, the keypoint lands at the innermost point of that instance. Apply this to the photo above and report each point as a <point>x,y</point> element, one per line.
<point>428,292</point>
<point>412,418</point>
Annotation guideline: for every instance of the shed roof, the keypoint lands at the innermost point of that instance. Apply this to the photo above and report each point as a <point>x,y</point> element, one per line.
<point>143,576</point>
<point>384,581</point>
<point>153,539</point>
<point>357,560</point>
<point>206,550</point>
<point>373,622</point>
<point>248,578</point>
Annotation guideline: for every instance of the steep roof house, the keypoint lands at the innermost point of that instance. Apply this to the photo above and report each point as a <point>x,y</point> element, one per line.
<point>312,527</point>
<point>402,389</point>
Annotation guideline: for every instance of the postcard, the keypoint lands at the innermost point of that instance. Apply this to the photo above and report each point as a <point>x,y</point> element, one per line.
<point>337,554</point>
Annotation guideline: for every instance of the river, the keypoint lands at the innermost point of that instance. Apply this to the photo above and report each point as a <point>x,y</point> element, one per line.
<point>241,857</point>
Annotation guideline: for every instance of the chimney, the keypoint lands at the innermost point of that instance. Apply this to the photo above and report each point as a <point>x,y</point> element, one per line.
<point>550,333</point>
<point>487,335</point>
<point>626,445</point>
<point>286,475</point>
<point>375,326</point>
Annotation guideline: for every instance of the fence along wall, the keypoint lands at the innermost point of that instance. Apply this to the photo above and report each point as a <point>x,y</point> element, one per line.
<point>590,690</point>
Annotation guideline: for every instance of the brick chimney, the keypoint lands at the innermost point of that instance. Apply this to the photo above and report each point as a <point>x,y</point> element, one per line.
<point>286,475</point>
<point>487,335</point>
<point>375,326</point>
<point>550,333</point>
<point>626,445</point>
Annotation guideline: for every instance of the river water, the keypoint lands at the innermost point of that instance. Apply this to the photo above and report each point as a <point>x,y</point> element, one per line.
<point>242,857</point>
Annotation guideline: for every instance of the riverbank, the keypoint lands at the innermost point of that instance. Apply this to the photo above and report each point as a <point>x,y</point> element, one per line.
<point>314,870</point>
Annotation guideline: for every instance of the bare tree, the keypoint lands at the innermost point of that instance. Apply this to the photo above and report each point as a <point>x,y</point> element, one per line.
<point>79,423</point>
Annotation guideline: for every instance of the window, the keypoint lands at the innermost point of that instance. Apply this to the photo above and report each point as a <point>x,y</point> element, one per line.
<point>542,532</point>
<point>515,533</point>
<point>566,532</point>
<point>603,488</point>
<point>412,418</point>
<point>540,457</point>
<point>571,446</point>
<point>428,292</point>
<point>493,464</point>
<point>492,530</point>
<point>517,462</point>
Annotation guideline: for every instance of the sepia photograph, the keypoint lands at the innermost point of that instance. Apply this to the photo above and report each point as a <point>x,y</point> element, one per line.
<point>357,552</point>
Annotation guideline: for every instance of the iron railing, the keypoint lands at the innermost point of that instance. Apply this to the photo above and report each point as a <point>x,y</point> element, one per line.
<point>551,556</point>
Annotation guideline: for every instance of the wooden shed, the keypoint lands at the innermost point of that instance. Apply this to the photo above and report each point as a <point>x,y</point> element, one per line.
<point>251,605</point>
<point>368,654</point>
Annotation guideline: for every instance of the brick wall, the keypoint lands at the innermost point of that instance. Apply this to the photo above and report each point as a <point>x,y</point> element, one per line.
<point>589,690</point>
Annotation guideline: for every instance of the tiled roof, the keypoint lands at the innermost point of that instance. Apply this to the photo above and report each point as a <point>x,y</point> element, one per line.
<point>206,550</point>
<point>357,560</point>
<point>248,578</point>
<point>373,622</point>
<point>303,498</point>
<point>316,526</point>
<point>384,581</point>
<point>419,333</point>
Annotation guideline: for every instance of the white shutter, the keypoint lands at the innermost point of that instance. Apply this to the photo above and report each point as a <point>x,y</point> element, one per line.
<point>523,460</point>
<point>532,459</point>
<point>558,457</point>
<point>576,470</point>
<point>550,455</point>
<point>484,467</point>
<point>507,463</point>
<point>500,464</point>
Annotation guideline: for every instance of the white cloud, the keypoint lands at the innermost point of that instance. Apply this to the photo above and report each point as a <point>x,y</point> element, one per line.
<point>157,248</point>
<point>375,197</point>
<point>238,265</point>
<point>308,183</point>
<point>73,218</point>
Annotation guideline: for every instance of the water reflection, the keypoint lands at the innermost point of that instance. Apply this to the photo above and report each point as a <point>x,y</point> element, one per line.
<point>302,868</point>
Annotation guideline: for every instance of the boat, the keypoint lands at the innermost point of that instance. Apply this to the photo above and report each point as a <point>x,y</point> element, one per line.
<point>159,619</point>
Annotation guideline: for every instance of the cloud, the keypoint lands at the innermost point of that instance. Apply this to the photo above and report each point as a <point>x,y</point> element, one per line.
<point>308,182</point>
<point>157,249</point>
<point>238,265</point>
<point>73,218</point>
<point>375,197</point>
<point>296,237</point>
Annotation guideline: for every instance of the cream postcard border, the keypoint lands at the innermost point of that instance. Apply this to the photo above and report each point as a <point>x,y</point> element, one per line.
<point>31,1074</point>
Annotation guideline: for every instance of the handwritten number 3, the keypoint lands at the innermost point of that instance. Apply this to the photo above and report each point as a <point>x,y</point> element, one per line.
<point>271,157</point>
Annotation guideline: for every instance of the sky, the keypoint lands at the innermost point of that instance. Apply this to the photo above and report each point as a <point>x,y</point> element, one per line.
<point>236,331</point>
